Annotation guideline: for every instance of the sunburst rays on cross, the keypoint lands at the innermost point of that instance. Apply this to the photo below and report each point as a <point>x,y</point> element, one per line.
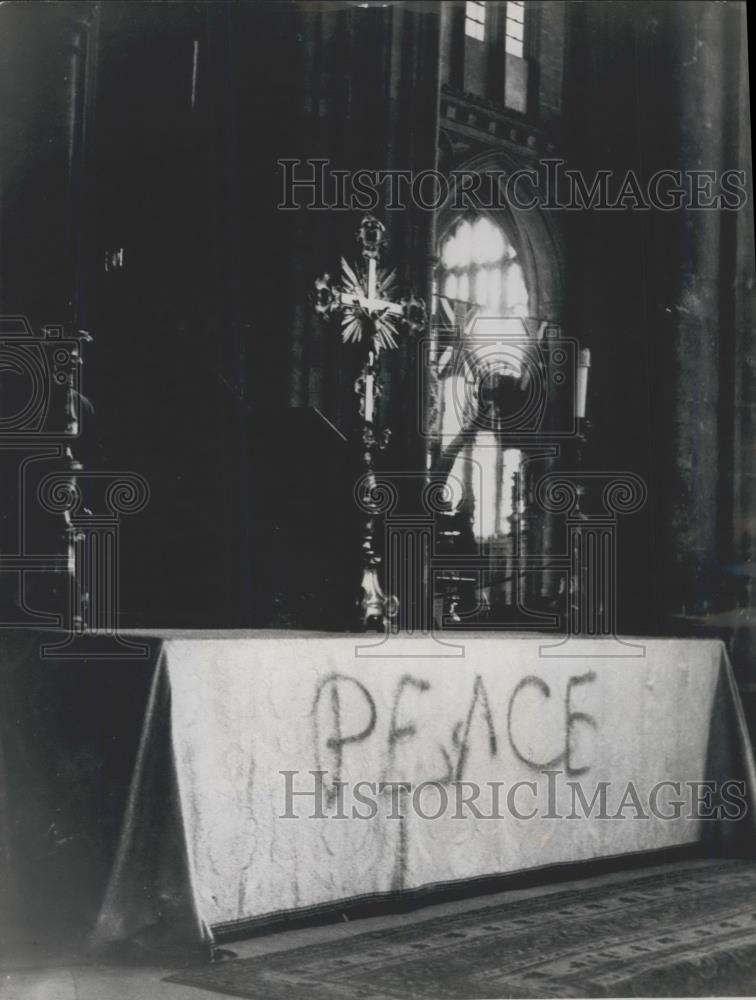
<point>366,297</point>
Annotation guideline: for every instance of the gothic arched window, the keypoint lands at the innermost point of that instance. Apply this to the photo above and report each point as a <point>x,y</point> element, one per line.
<point>479,275</point>
<point>479,266</point>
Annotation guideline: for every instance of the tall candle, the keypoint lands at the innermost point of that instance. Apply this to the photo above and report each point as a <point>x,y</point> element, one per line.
<point>369,388</point>
<point>369,398</point>
<point>584,363</point>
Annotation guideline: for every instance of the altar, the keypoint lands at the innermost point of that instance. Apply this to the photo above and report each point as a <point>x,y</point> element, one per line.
<point>284,773</point>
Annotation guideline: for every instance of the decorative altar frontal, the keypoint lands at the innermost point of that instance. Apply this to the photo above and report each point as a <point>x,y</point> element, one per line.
<point>283,772</point>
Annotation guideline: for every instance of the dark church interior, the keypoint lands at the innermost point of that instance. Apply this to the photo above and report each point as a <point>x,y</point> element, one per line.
<point>145,151</point>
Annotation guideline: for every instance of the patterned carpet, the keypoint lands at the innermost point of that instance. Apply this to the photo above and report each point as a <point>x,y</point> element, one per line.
<point>687,932</point>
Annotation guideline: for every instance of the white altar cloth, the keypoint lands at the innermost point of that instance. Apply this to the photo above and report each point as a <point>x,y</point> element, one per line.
<point>213,841</point>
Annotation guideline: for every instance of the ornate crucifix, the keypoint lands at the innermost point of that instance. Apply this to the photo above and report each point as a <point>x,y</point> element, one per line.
<point>371,318</point>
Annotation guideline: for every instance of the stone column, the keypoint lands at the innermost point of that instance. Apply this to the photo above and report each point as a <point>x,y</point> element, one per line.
<point>690,344</point>
<point>44,52</point>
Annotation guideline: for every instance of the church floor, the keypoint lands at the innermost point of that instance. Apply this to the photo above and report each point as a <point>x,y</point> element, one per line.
<point>36,976</point>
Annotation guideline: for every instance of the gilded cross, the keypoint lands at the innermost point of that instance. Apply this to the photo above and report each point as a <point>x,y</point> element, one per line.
<point>372,316</point>
<point>366,303</point>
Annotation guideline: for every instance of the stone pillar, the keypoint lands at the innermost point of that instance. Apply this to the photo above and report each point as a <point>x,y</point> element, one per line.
<point>43,73</point>
<point>690,343</point>
<point>743,646</point>
<point>44,60</point>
